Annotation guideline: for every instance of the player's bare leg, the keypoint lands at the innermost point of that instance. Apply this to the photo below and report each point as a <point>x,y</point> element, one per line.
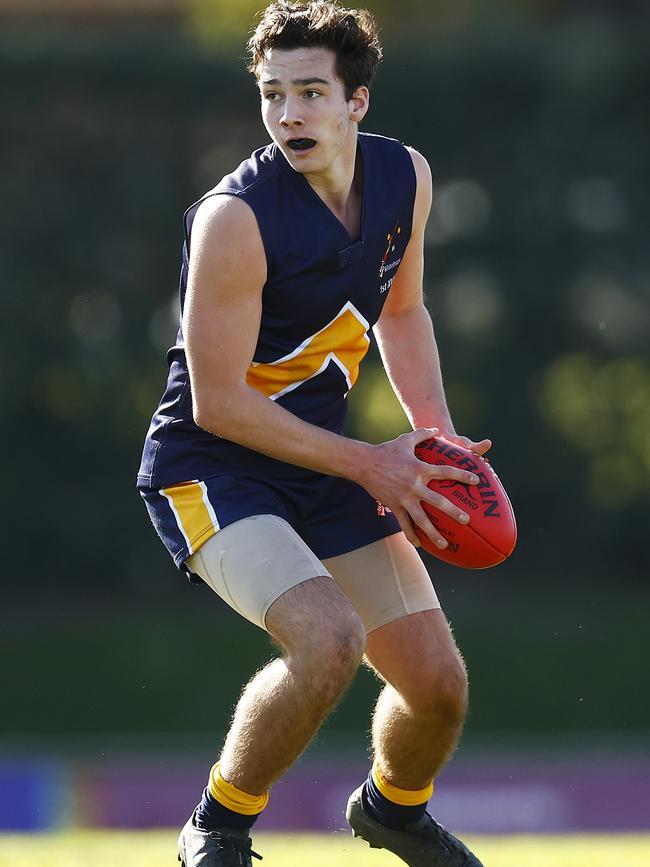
<point>279,712</point>
<point>283,706</point>
<point>419,716</point>
<point>416,726</point>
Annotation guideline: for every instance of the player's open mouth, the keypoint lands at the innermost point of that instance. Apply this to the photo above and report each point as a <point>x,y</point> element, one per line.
<point>301,144</point>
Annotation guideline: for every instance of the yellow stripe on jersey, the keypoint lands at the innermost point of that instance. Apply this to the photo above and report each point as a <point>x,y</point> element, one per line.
<point>193,511</point>
<point>344,341</point>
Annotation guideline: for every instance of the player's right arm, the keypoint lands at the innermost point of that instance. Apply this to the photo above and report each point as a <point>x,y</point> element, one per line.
<point>221,322</point>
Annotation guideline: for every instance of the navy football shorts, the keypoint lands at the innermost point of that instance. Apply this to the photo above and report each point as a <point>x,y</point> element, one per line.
<point>332,515</point>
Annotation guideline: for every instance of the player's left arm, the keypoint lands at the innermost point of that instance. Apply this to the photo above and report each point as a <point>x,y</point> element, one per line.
<point>405,335</point>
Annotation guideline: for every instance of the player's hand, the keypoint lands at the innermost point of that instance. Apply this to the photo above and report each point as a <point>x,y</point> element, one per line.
<point>479,448</point>
<point>398,480</point>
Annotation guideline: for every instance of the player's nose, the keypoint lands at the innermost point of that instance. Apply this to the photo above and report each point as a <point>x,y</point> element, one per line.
<point>291,113</point>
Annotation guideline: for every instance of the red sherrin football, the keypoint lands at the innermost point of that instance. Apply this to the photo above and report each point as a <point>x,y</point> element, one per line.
<point>491,533</point>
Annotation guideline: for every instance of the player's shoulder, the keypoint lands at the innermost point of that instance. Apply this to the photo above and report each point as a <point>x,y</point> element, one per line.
<point>382,145</point>
<point>260,167</point>
<point>225,223</point>
<point>424,186</point>
<point>221,210</point>
<point>412,160</point>
<point>225,234</point>
<point>420,165</point>
<point>230,206</point>
<point>239,193</point>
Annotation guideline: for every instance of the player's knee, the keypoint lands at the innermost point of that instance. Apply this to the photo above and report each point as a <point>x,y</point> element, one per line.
<point>443,692</point>
<point>348,641</point>
<point>342,647</point>
<point>335,655</point>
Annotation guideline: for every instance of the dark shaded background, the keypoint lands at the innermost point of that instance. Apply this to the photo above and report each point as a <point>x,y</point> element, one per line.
<point>534,117</point>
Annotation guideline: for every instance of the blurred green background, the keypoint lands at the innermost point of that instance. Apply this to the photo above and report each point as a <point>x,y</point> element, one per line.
<point>534,117</point>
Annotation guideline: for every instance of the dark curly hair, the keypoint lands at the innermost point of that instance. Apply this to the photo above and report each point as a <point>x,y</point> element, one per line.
<point>350,33</point>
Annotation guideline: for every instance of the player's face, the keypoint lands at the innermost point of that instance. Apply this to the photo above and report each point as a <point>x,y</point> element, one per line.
<point>305,109</point>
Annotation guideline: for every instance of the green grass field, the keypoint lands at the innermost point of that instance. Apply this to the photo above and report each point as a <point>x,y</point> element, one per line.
<point>157,849</point>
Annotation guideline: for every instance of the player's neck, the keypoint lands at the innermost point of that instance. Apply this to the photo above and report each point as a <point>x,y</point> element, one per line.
<point>341,187</point>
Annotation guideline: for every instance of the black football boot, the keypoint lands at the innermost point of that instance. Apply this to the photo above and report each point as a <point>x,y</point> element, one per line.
<point>222,848</point>
<point>424,843</point>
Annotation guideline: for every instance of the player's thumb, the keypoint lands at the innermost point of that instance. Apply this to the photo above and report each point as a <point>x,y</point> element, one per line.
<point>424,433</point>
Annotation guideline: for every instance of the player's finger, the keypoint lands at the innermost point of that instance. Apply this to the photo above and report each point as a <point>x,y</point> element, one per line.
<point>443,471</point>
<point>481,447</point>
<point>420,517</point>
<point>406,524</point>
<point>423,433</point>
<point>444,505</point>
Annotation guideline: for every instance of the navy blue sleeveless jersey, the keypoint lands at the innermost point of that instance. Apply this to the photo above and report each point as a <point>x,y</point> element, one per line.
<point>324,292</point>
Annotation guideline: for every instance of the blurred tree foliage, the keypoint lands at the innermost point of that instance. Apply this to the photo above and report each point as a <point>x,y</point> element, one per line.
<point>222,24</point>
<point>602,408</point>
<point>537,277</point>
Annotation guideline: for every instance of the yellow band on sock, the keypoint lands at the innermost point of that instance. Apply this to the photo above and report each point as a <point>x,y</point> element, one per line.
<point>233,798</point>
<point>403,797</point>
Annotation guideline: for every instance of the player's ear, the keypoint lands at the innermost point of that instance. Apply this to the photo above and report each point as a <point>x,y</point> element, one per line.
<point>359,103</point>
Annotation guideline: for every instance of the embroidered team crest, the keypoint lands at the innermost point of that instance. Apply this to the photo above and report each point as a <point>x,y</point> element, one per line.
<point>390,248</point>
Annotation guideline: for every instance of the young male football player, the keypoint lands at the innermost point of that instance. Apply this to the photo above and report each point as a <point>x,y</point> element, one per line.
<point>288,264</point>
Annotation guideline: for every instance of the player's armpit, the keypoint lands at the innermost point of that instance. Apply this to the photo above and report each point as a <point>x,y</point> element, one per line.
<point>223,303</point>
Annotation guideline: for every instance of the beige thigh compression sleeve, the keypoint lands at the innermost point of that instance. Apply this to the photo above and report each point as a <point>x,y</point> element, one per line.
<point>384,580</point>
<point>252,562</point>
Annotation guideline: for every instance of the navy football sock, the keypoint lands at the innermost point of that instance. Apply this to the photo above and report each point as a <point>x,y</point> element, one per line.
<point>390,814</point>
<point>225,806</point>
<point>211,815</point>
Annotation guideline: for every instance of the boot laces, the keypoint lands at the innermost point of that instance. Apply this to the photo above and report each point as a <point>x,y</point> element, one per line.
<point>236,849</point>
<point>453,848</point>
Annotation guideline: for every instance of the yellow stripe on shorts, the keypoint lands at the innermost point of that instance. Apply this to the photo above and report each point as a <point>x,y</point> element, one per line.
<point>193,511</point>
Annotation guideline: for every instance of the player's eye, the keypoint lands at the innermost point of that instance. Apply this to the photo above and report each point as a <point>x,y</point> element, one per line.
<point>270,95</point>
<point>312,94</point>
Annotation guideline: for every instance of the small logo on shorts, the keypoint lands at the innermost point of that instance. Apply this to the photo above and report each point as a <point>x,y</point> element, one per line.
<point>382,510</point>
